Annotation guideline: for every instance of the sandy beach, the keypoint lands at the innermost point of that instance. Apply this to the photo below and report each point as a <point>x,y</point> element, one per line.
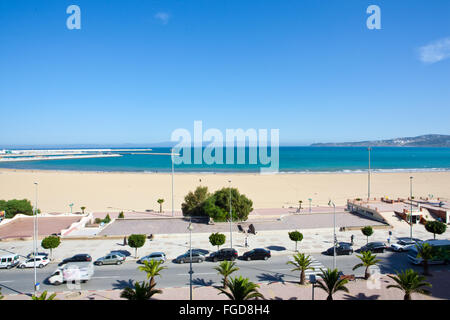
<point>100,191</point>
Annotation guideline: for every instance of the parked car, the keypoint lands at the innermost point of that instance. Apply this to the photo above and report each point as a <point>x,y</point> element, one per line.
<point>203,252</point>
<point>342,248</point>
<point>256,254</point>
<point>83,257</point>
<point>110,259</point>
<point>374,247</point>
<point>224,254</point>
<point>38,254</point>
<point>186,257</point>
<point>404,245</point>
<point>123,254</point>
<point>41,261</point>
<point>9,261</point>
<point>158,256</point>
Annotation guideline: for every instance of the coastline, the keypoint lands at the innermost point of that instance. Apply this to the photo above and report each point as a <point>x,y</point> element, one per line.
<point>138,191</point>
<point>346,171</point>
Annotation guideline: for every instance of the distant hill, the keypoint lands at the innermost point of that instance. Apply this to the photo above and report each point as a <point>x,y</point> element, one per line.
<point>429,140</point>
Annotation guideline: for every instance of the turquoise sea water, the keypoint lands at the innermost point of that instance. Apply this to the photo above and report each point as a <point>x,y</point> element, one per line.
<point>291,159</point>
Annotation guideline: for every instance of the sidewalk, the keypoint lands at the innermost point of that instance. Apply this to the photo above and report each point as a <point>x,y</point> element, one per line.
<point>314,241</point>
<point>358,290</point>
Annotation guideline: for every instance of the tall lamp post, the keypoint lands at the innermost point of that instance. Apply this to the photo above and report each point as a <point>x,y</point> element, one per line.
<point>71,205</point>
<point>231,218</point>
<point>330,203</point>
<point>35,235</point>
<point>310,204</point>
<point>368,178</point>
<point>411,213</point>
<point>171,156</point>
<point>190,228</point>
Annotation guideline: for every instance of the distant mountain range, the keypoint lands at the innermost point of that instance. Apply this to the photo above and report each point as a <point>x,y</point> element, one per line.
<point>428,140</point>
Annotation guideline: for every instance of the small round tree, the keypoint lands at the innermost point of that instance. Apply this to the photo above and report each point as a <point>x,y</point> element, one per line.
<point>82,209</point>
<point>121,215</point>
<point>367,231</point>
<point>295,236</point>
<point>136,241</point>
<point>160,201</point>
<point>217,239</point>
<point>50,242</point>
<point>435,227</point>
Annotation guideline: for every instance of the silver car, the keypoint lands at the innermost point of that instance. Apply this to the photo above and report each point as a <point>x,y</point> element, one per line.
<point>110,259</point>
<point>404,245</point>
<point>157,256</point>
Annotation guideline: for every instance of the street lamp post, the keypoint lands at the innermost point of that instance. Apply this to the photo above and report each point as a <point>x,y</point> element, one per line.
<point>190,227</point>
<point>231,218</point>
<point>310,204</point>
<point>71,205</point>
<point>410,215</point>
<point>330,203</point>
<point>171,156</point>
<point>368,177</point>
<point>35,235</point>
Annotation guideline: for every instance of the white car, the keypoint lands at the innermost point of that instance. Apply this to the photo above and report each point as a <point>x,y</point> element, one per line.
<point>41,261</point>
<point>404,245</point>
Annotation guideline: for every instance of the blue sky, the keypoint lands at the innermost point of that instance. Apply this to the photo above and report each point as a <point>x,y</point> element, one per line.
<point>137,70</point>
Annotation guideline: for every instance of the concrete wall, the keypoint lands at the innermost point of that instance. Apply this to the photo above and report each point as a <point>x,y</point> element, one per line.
<point>369,213</point>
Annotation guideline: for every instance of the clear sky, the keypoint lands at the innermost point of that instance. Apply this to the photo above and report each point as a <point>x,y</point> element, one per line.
<point>137,70</point>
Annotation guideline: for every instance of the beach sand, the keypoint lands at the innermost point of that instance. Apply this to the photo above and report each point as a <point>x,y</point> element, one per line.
<point>99,191</point>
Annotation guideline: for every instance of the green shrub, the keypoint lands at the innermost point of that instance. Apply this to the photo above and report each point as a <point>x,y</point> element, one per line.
<point>136,241</point>
<point>295,236</point>
<point>121,215</point>
<point>14,206</point>
<point>50,242</point>
<point>194,201</point>
<point>435,227</point>
<point>217,205</point>
<point>217,239</point>
<point>107,219</point>
<point>367,231</point>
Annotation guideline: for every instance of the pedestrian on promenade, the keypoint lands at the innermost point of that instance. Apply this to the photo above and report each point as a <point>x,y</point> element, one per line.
<point>351,239</point>
<point>246,242</point>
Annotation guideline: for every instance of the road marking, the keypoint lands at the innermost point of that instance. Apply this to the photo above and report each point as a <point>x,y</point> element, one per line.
<point>106,277</point>
<point>7,281</point>
<point>183,274</point>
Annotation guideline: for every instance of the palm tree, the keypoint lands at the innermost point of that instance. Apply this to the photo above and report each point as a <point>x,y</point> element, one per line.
<point>367,260</point>
<point>160,201</point>
<point>43,296</point>
<point>241,289</point>
<point>152,268</point>
<point>409,282</point>
<point>225,269</point>
<point>302,263</point>
<point>141,291</point>
<point>426,253</point>
<point>331,282</point>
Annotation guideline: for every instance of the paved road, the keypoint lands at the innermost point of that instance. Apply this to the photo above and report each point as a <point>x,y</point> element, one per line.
<point>117,277</point>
